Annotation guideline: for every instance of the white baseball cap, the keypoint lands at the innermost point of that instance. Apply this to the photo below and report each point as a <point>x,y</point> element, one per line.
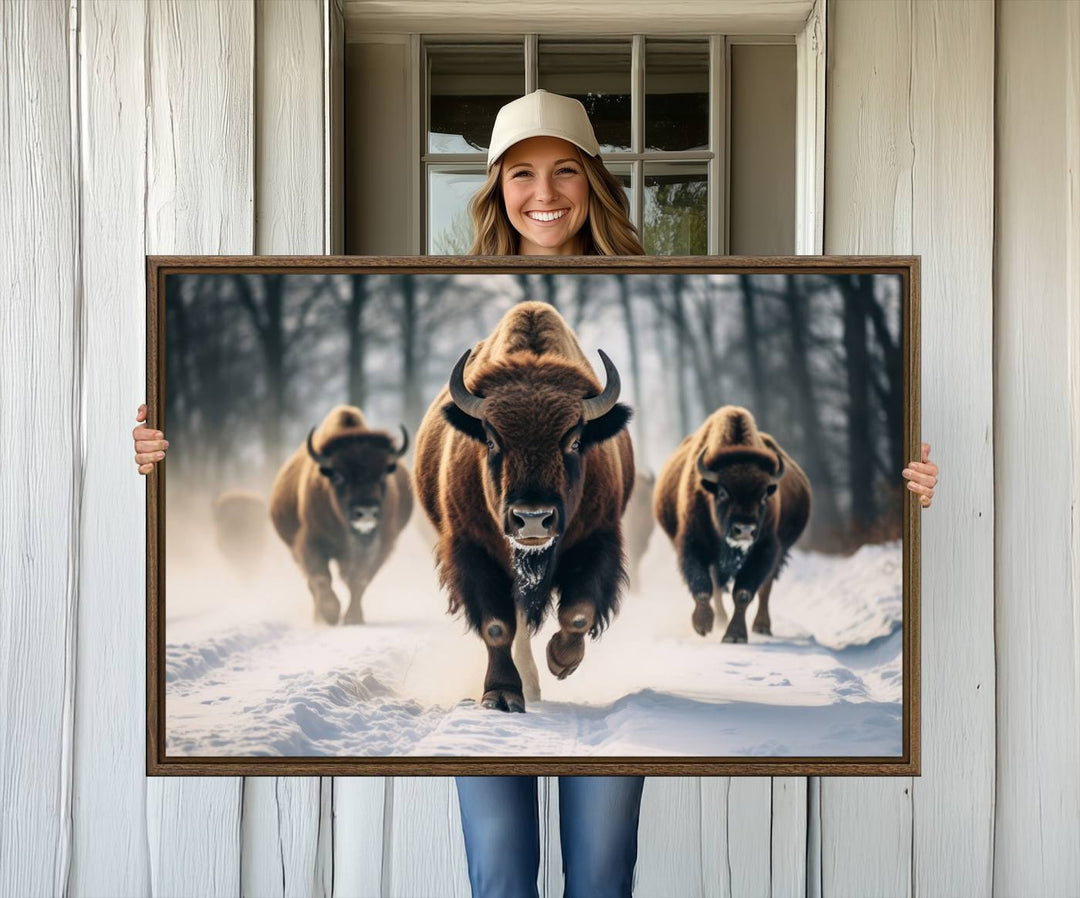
<point>541,114</point>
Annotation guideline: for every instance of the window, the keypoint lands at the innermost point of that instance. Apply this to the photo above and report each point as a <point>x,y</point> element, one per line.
<point>660,108</point>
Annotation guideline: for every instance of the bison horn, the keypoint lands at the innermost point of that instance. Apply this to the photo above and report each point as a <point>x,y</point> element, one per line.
<point>404,441</point>
<point>705,473</point>
<point>463,399</point>
<point>779,468</point>
<point>322,460</point>
<point>771,443</point>
<point>597,406</point>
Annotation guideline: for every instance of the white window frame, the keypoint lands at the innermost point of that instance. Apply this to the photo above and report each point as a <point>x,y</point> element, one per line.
<point>809,41</point>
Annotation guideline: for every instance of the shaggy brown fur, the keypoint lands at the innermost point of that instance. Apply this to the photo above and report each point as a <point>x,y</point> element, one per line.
<point>312,515</point>
<point>533,376</point>
<point>705,516</point>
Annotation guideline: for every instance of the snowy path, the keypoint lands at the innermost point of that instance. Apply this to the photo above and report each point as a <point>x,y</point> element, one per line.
<point>251,674</point>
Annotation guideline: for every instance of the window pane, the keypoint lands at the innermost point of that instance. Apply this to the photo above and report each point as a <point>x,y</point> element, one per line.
<point>623,175</point>
<point>449,191</point>
<point>466,87</point>
<point>676,95</point>
<point>676,209</point>
<point>597,74</point>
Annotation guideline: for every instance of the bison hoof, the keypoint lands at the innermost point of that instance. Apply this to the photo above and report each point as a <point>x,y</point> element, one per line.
<point>328,610</point>
<point>354,617</point>
<point>763,626</point>
<point>503,700</point>
<point>564,653</point>
<point>703,618</point>
<point>735,635</point>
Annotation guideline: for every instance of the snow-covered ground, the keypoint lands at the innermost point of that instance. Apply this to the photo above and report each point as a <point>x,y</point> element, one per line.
<point>249,673</point>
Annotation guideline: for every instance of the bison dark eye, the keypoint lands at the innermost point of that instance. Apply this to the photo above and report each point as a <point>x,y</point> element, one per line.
<point>491,445</point>
<point>575,446</point>
<point>391,467</point>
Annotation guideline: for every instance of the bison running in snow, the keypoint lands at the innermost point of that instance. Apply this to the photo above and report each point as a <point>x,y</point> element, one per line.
<point>524,466</point>
<point>344,494</point>
<point>733,503</point>
<point>241,523</point>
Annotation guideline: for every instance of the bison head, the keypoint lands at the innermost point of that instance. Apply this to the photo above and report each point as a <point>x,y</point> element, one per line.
<point>357,466</point>
<point>537,419</point>
<point>740,481</point>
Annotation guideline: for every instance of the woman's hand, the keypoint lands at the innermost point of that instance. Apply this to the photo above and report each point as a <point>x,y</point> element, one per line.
<point>922,477</point>
<point>150,445</point>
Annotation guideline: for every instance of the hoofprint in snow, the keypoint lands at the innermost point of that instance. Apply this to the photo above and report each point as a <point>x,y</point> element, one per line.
<point>249,673</point>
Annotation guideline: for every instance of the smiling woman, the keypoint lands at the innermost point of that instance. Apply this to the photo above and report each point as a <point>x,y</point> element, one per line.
<point>547,190</point>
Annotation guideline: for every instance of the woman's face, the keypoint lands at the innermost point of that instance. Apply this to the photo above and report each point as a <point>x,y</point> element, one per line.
<point>546,195</point>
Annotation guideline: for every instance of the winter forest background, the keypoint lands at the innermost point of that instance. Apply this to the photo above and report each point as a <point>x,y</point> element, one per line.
<point>253,361</point>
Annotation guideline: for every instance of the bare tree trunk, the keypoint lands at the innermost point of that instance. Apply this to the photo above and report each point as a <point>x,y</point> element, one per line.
<point>550,292</point>
<point>274,350</point>
<point>640,450</point>
<point>826,513</point>
<point>410,379</point>
<point>893,398</point>
<point>354,324</point>
<point>751,339</point>
<point>858,293</point>
<point>684,352</point>
<point>267,320</point>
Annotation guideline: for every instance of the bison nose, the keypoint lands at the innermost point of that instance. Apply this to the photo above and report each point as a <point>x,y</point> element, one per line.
<point>365,512</point>
<point>739,531</point>
<point>533,521</point>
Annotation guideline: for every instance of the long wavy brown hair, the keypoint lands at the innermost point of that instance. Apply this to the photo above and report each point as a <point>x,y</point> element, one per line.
<point>607,230</point>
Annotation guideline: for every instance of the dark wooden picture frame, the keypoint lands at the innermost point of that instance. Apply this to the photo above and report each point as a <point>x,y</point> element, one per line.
<point>905,354</point>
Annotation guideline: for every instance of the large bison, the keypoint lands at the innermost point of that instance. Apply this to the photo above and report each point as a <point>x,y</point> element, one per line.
<point>524,466</point>
<point>344,494</point>
<point>733,503</point>
<point>241,524</point>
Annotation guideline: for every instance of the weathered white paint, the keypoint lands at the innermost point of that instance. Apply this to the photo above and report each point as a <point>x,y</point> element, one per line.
<point>109,854</point>
<point>360,811</point>
<point>199,196</point>
<point>868,159</point>
<point>424,850</point>
<point>282,815</point>
<point>909,154</point>
<point>788,837</point>
<point>670,835</point>
<point>810,133</point>
<point>556,17</point>
<point>40,443</point>
<point>952,226</point>
<point>1037,451</point>
<point>910,162</point>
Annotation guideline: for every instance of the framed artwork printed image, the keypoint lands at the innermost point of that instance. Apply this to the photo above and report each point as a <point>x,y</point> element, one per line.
<point>589,515</point>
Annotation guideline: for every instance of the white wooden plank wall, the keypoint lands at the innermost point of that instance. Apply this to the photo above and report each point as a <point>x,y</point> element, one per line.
<point>40,444</point>
<point>910,170</point>
<point>109,854</point>
<point>1037,833</point>
<point>868,161</point>
<point>199,196</point>
<point>285,849</point>
<point>158,127</point>
<point>952,228</point>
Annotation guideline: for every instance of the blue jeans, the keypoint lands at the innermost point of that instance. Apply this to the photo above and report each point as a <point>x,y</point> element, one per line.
<point>598,822</point>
